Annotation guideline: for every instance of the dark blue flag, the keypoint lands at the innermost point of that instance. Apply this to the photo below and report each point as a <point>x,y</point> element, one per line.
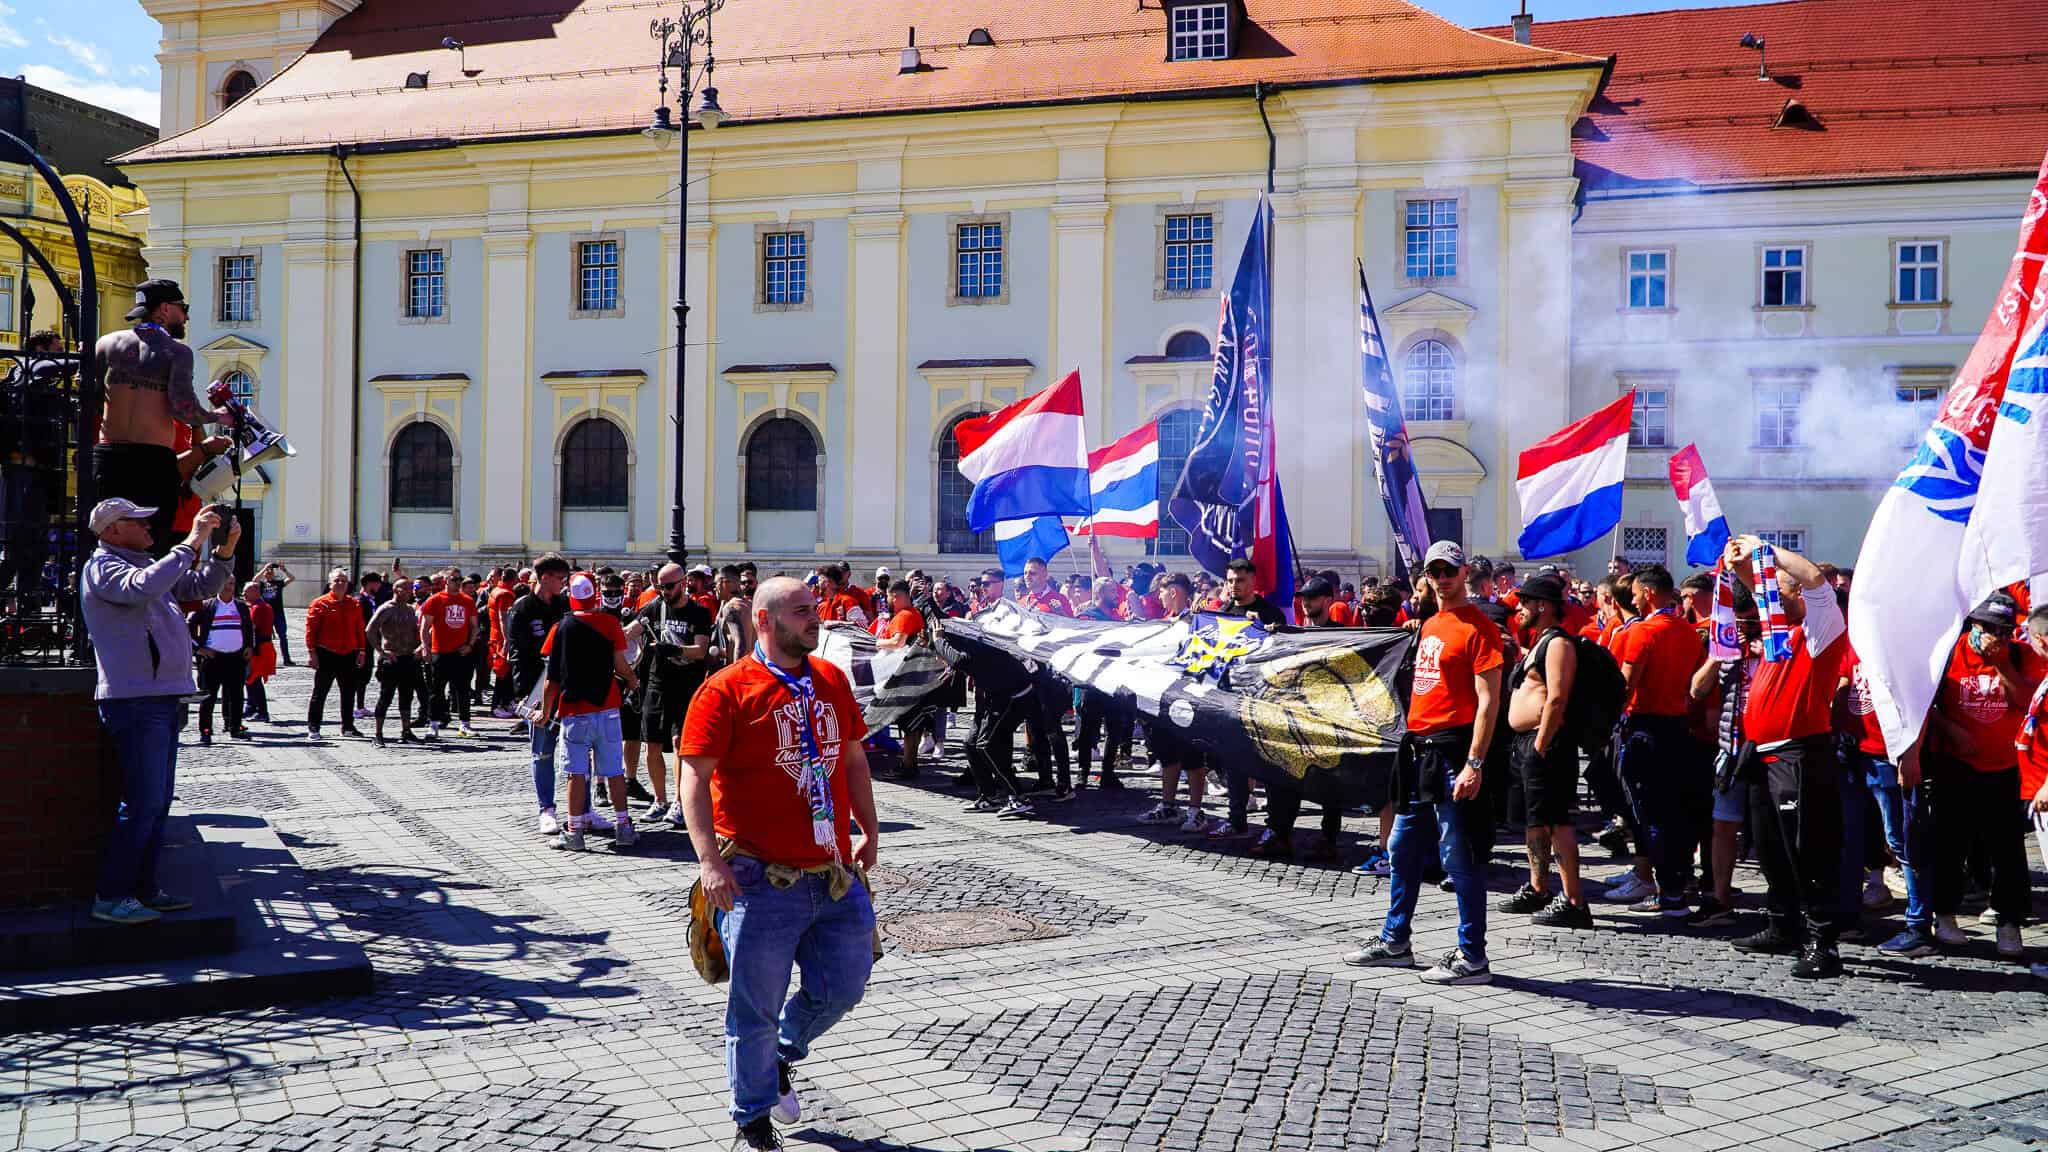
<point>1393,465</point>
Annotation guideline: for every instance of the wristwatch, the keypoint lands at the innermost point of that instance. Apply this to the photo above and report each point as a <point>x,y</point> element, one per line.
<point>1475,763</point>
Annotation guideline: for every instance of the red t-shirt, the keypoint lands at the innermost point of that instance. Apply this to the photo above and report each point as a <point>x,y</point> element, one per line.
<point>1453,646</point>
<point>745,719</point>
<point>608,624</point>
<point>500,603</point>
<point>1859,711</point>
<point>1051,600</point>
<point>1616,634</point>
<point>647,596</point>
<point>1665,652</point>
<point>448,619</point>
<point>1794,699</point>
<point>2032,744</point>
<point>1972,696</point>
<point>845,606</point>
<point>907,624</point>
<point>1343,615</point>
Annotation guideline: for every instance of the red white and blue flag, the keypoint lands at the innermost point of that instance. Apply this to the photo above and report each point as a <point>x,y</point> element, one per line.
<point>1706,529</point>
<point>1570,484</point>
<point>1123,486</point>
<point>1028,459</point>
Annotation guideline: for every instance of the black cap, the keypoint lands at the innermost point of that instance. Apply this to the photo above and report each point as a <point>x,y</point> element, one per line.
<point>1999,610</point>
<point>1542,588</point>
<point>151,293</point>
<point>1316,586</point>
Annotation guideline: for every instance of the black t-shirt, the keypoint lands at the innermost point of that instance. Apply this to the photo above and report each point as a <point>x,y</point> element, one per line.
<point>526,626</point>
<point>1260,609</point>
<point>667,629</point>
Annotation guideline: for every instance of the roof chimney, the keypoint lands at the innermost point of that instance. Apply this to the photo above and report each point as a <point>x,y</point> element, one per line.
<point>910,61</point>
<point>1523,23</point>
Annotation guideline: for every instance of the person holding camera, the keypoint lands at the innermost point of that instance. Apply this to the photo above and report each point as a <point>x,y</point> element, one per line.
<point>144,657</point>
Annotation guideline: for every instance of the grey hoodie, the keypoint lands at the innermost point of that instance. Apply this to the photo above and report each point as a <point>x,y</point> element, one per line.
<point>139,637</point>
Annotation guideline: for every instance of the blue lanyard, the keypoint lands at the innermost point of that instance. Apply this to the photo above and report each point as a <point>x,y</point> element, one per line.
<point>799,687</point>
<point>813,784</point>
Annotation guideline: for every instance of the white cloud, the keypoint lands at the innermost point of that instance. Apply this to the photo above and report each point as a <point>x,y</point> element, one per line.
<point>128,100</point>
<point>9,36</point>
<point>141,71</point>
<point>83,51</point>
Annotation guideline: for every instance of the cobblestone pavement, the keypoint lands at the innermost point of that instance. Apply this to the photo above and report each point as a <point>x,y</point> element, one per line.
<point>1075,982</point>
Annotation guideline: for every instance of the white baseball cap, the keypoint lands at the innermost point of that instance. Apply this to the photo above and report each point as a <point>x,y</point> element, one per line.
<point>582,587</point>
<point>107,512</point>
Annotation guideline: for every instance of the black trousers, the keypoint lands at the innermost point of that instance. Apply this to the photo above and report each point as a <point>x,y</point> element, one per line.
<point>480,656</point>
<point>146,474</point>
<point>1660,767</point>
<point>992,746</point>
<point>450,678</point>
<point>334,668</point>
<point>256,700</point>
<point>1100,712</point>
<point>355,693</point>
<point>1606,787</point>
<point>1796,814</point>
<point>1283,811</point>
<point>220,677</point>
<point>1978,813</point>
<point>1048,740</point>
<point>24,526</point>
<point>400,677</point>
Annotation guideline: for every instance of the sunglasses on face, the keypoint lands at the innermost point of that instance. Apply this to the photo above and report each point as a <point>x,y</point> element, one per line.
<point>1440,571</point>
<point>665,585</point>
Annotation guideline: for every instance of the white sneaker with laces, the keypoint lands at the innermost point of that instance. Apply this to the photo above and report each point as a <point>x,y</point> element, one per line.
<point>788,1109</point>
<point>1946,931</point>
<point>1195,822</point>
<point>549,825</point>
<point>597,821</point>
<point>1634,889</point>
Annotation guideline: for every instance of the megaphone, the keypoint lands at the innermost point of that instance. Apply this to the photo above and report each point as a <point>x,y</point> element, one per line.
<point>255,441</point>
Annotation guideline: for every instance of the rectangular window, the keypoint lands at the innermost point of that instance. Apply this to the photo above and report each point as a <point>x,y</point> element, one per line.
<point>1200,32</point>
<point>426,284</point>
<point>1916,267</point>
<point>1432,239</point>
<point>1642,544</point>
<point>785,268</point>
<point>7,317</point>
<point>1923,403</point>
<point>1190,252</point>
<point>1790,539</point>
<point>597,276</point>
<point>1649,279</point>
<point>237,289</point>
<point>1784,271</point>
<point>978,252</point>
<point>1777,413</point>
<point>1650,426</point>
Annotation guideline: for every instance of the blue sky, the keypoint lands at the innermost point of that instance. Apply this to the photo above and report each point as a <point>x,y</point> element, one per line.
<point>104,51</point>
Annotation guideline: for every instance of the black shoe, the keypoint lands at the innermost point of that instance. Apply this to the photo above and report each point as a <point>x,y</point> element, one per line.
<point>1111,784</point>
<point>1563,914</point>
<point>239,733</point>
<point>635,790</point>
<point>1709,913</point>
<point>757,1133</point>
<point>1817,961</point>
<point>405,736</point>
<point>1447,885</point>
<point>352,730</point>
<point>1527,900</point>
<point>1323,851</point>
<point>1772,941</point>
<point>1272,846</point>
<point>378,740</point>
<point>205,738</point>
<point>1613,839</point>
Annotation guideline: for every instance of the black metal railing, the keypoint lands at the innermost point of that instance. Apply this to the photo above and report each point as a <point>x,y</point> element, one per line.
<point>41,543</point>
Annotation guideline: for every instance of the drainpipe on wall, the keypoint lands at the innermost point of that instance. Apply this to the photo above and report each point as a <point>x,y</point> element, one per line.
<point>355,368</point>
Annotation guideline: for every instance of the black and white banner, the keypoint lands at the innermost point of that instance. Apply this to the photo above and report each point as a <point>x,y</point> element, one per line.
<point>1316,709</point>
<point>887,682</point>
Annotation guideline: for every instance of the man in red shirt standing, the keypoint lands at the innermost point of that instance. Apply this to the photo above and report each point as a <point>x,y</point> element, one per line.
<point>1787,723</point>
<point>1437,776</point>
<point>334,646</point>
<point>1970,759</point>
<point>447,637</point>
<point>836,602</point>
<point>773,776</point>
<point>586,662</point>
<point>1669,783</point>
<point>498,607</point>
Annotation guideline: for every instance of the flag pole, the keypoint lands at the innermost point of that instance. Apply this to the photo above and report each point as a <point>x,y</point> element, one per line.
<point>1260,89</point>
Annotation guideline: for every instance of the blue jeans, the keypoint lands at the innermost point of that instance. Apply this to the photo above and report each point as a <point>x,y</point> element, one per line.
<point>1449,828</point>
<point>1855,811</point>
<point>144,730</point>
<point>540,747</point>
<point>768,930</point>
<point>593,744</point>
<point>1904,834</point>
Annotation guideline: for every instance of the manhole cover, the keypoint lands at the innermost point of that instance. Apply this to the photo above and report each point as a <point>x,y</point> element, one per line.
<point>886,879</point>
<point>962,928</point>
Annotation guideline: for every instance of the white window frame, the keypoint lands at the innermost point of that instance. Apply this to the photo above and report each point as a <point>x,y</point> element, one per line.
<point>1775,385</point>
<point>762,233</point>
<point>8,304</point>
<point>1410,396</point>
<point>577,302</point>
<point>1804,271</point>
<point>1642,383</point>
<point>1939,267</point>
<point>406,315</point>
<point>224,317</point>
<point>1433,197</point>
<point>954,224</point>
<point>1790,539</point>
<point>1164,288</point>
<point>1198,32</point>
<point>1928,385</point>
<point>1629,273</point>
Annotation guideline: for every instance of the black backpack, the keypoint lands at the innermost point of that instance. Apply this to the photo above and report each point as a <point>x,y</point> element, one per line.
<point>1598,692</point>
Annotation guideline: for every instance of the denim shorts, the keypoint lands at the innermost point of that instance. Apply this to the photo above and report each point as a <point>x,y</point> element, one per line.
<point>1732,806</point>
<point>592,744</point>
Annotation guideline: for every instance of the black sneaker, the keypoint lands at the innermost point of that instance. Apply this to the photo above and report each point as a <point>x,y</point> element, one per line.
<point>1709,913</point>
<point>1817,961</point>
<point>1526,900</point>
<point>757,1133</point>
<point>1613,838</point>
<point>1447,885</point>
<point>1111,784</point>
<point>635,790</point>
<point>1769,942</point>
<point>1563,914</point>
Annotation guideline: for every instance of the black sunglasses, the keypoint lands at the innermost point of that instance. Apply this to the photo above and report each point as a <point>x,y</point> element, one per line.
<point>665,585</point>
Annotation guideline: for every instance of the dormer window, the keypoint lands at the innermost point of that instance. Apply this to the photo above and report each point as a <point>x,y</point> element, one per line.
<point>1200,29</point>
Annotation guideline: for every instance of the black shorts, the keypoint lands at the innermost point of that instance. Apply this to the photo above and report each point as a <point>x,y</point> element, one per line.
<point>661,715</point>
<point>629,718</point>
<point>1550,783</point>
<point>1169,747</point>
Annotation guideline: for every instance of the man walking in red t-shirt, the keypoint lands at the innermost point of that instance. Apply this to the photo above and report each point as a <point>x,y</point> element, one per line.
<point>773,775</point>
<point>447,637</point>
<point>1437,776</point>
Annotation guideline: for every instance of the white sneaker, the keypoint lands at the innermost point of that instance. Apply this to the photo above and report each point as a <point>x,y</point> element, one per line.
<point>788,1109</point>
<point>1988,917</point>
<point>549,825</point>
<point>1946,932</point>
<point>2009,944</point>
<point>433,729</point>
<point>596,821</point>
<point>463,731</point>
<point>1633,889</point>
<point>1649,903</point>
<point>925,747</point>
<point>1160,814</point>
<point>1195,822</point>
<point>1875,894</point>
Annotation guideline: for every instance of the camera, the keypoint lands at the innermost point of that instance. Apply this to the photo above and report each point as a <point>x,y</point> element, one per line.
<point>220,530</point>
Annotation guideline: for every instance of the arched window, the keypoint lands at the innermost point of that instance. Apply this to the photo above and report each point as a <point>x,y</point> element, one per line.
<point>954,534</point>
<point>243,384</point>
<point>422,469</point>
<point>594,465</point>
<point>238,84</point>
<point>1187,346</point>
<point>1176,439</point>
<point>782,467</point>
<point>1429,389</point>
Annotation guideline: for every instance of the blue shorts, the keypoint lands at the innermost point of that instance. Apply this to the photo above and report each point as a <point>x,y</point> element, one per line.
<point>1732,806</point>
<point>592,744</point>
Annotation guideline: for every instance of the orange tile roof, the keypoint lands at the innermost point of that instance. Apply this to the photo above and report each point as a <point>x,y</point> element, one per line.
<point>553,67</point>
<point>1900,91</point>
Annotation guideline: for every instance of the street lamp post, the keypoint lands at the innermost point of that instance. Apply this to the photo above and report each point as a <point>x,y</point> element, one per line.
<point>679,38</point>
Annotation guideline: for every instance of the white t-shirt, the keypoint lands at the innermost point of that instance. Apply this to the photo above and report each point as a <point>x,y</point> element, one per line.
<point>226,633</point>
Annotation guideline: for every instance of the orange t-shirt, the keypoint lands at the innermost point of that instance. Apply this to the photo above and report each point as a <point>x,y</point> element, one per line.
<point>500,604</point>
<point>1343,615</point>
<point>845,606</point>
<point>1665,652</point>
<point>448,619</point>
<point>1972,696</point>
<point>745,719</point>
<point>907,624</point>
<point>1454,646</point>
<point>647,596</point>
